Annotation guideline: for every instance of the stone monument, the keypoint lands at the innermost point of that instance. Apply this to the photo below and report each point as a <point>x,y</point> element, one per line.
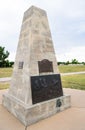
<point>36,90</point>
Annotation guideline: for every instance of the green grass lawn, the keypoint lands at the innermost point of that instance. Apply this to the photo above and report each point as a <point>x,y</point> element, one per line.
<point>7,72</point>
<point>71,68</point>
<point>74,81</point>
<point>71,81</point>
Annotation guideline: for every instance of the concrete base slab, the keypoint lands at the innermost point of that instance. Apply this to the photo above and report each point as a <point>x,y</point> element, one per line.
<point>8,121</point>
<point>29,115</point>
<point>70,119</point>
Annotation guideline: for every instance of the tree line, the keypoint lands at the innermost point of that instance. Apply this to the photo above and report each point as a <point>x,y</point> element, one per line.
<point>4,62</point>
<point>73,62</point>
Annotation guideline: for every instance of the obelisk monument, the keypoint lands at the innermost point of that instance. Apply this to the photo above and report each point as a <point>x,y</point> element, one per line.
<point>36,90</point>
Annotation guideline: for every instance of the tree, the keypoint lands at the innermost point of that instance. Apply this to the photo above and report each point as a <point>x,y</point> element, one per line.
<point>74,61</point>
<point>67,63</point>
<point>3,56</point>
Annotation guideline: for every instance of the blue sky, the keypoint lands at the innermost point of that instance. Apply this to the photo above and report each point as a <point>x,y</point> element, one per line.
<point>66,19</point>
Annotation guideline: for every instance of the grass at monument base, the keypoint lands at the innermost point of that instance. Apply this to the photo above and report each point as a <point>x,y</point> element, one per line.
<point>74,81</point>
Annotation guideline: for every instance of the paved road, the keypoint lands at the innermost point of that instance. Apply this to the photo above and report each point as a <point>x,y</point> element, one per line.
<point>72,73</point>
<point>7,79</point>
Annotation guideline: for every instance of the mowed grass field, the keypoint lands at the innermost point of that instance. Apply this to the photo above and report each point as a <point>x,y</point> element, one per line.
<point>71,81</point>
<point>74,81</point>
<point>71,68</point>
<point>5,72</point>
<point>4,85</point>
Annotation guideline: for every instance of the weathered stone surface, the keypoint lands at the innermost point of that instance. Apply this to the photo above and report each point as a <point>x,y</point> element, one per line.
<point>29,115</point>
<point>33,46</point>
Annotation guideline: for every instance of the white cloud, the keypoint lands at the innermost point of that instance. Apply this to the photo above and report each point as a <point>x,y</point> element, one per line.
<point>81,28</point>
<point>66,19</point>
<point>74,53</point>
<point>12,56</point>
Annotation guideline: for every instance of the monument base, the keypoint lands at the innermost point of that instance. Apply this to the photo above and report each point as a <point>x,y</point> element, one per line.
<point>29,115</point>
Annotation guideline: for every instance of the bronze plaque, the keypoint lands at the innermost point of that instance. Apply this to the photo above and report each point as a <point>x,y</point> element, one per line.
<point>45,66</point>
<point>46,87</point>
<point>20,65</point>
